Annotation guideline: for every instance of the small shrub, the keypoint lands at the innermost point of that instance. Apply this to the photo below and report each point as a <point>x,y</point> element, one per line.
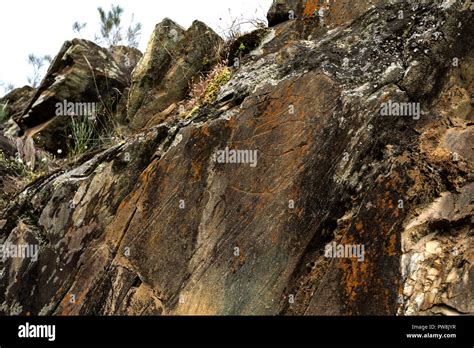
<point>206,90</point>
<point>83,131</point>
<point>217,79</point>
<point>16,167</point>
<point>89,132</point>
<point>238,25</point>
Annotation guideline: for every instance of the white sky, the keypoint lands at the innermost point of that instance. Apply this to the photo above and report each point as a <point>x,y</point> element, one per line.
<point>41,27</point>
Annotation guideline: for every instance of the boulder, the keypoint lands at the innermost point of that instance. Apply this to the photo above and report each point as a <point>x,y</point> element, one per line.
<point>82,73</point>
<point>284,10</point>
<point>126,58</point>
<point>7,146</point>
<point>245,44</point>
<point>173,59</point>
<point>17,100</point>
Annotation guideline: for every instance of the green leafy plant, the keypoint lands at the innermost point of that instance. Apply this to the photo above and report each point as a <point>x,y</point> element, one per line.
<point>112,32</point>
<point>83,132</point>
<point>110,23</point>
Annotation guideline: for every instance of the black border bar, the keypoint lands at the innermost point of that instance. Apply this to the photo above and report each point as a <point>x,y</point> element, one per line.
<point>231,330</point>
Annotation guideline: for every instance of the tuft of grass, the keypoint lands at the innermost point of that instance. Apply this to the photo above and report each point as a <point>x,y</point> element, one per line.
<point>83,132</point>
<point>16,167</point>
<point>90,132</point>
<point>218,78</point>
<point>3,112</point>
<point>206,90</point>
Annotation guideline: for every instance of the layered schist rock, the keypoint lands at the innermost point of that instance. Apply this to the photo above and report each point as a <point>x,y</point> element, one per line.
<point>173,60</point>
<point>182,218</point>
<point>327,12</point>
<point>284,10</point>
<point>17,100</point>
<point>81,73</point>
<point>13,105</point>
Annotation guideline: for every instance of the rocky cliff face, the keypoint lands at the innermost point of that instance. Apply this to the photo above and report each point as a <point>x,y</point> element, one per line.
<point>331,175</point>
<point>81,72</point>
<point>172,61</point>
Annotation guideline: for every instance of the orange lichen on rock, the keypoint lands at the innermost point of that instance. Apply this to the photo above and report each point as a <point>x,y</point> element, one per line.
<point>310,7</point>
<point>392,248</point>
<point>355,275</point>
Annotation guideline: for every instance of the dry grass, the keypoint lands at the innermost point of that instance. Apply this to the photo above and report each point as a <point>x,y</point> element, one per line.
<point>206,90</point>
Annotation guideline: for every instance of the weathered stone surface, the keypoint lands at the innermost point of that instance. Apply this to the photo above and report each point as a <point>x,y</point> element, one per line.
<point>82,72</point>
<point>284,10</point>
<point>334,13</point>
<point>126,58</point>
<point>7,146</point>
<point>174,57</point>
<point>17,100</point>
<point>156,60</point>
<point>245,44</point>
<point>437,266</point>
<point>156,225</point>
<point>327,12</point>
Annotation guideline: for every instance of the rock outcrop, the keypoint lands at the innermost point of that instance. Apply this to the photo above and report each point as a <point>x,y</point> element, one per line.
<point>328,13</point>
<point>173,59</point>
<point>17,100</point>
<point>81,73</point>
<point>331,175</point>
<point>437,260</point>
<point>284,10</point>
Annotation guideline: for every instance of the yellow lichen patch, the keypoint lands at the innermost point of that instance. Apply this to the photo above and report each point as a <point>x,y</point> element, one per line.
<point>217,80</point>
<point>206,89</point>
